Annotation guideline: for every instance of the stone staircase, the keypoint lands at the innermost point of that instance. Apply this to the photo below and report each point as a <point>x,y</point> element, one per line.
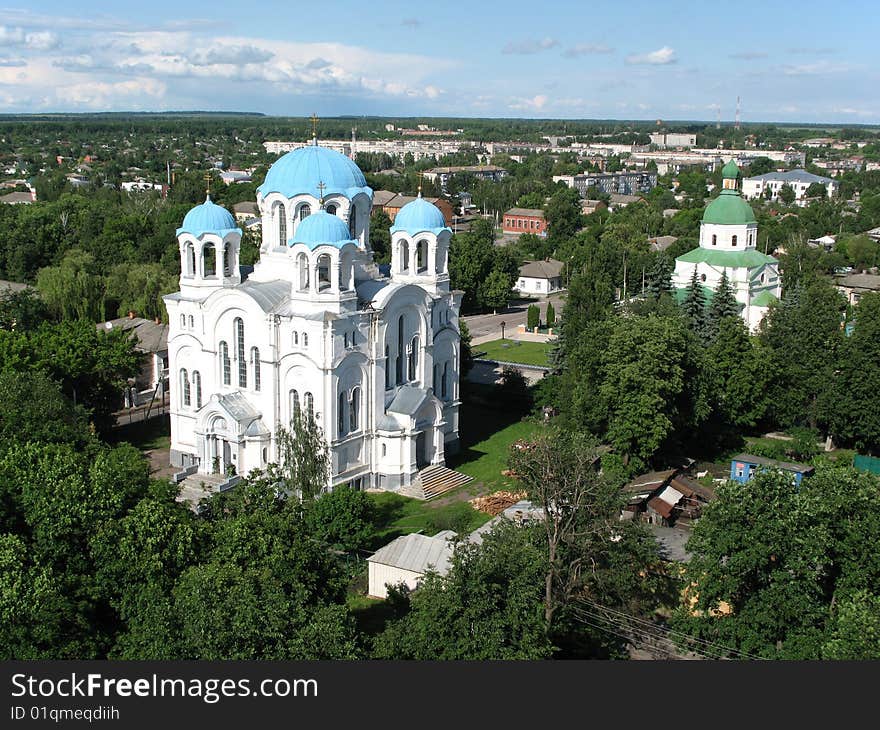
<point>196,486</point>
<point>432,481</point>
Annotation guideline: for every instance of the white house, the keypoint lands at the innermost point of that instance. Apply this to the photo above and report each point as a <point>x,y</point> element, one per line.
<point>798,180</point>
<point>728,245</point>
<point>315,330</point>
<point>539,278</point>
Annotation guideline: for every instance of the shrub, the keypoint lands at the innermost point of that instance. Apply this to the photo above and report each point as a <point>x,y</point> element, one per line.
<point>533,316</point>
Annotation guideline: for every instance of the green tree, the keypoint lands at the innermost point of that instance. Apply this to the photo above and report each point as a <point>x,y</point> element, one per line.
<point>305,461</point>
<point>660,278</point>
<point>33,408</point>
<point>563,214</point>
<point>533,316</point>
<point>342,518</point>
<point>74,289</point>
<point>694,306</point>
<point>22,310</point>
<point>816,190</point>
<point>380,237</point>
<point>855,629</point>
<point>550,317</point>
<point>786,194</point>
<point>724,304</point>
<point>496,290</point>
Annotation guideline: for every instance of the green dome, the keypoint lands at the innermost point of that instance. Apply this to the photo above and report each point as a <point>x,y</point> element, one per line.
<point>729,209</point>
<point>730,170</point>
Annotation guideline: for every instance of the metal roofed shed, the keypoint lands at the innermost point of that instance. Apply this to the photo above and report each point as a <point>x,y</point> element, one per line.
<point>407,559</point>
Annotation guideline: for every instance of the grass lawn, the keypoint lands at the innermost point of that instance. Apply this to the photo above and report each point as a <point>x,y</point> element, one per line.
<point>486,459</point>
<point>145,435</point>
<point>399,515</point>
<point>527,353</point>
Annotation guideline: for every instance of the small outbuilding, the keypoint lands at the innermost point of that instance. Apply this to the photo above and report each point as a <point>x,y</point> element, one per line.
<point>407,559</point>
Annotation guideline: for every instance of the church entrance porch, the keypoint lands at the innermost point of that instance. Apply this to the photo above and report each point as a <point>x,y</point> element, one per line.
<point>423,456</point>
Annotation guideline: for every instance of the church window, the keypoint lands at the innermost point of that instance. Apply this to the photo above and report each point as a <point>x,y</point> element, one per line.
<point>346,340</point>
<point>192,322</point>
<point>352,221</point>
<point>341,414</point>
<point>354,408</point>
<point>387,368</point>
<point>413,358</point>
<point>702,277</point>
<point>239,352</point>
<point>384,449</point>
<point>324,271</point>
<point>197,387</point>
<point>255,361</point>
<point>733,241</point>
<point>280,222</point>
<point>295,339</point>
<point>309,402</point>
<point>183,320</point>
<point>444,388</point>
<point>184,387</point>
<point>331,209</point>
<point>304,212</point>
<point>302,264</point>
<point>224,363</point>
<point>209,259</point>
<point>422,256</point>
<point>400,351</point>
<point>714,240</point>
<point>404,256</point>
<point>227,260</point>
<point>305,339</point>
<point>436,377</point>
<point>190,260</point>
<point>294,406</point>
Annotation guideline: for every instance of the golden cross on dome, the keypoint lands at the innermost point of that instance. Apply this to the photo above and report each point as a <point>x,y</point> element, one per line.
<point>314,119</point>
<point>421,176</point>
<point>208,182</point>
<point>321,187</point>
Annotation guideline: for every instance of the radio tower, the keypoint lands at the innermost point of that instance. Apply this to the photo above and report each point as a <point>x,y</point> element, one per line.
<point>736,124</point>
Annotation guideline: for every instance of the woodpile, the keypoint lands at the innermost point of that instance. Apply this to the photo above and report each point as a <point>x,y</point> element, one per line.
<point>495,503</point>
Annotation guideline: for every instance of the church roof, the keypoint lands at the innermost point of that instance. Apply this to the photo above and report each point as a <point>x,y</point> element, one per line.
<point>730,170</point>
<point>419,216</point>
<point>729,209</point>
<point>267,294</point>
<point>237,406</point>
<point>764,299</point>
<point>208,218</point>
<point>408,400</point>
<point>747,258</point>
<point>301,171</point>
<point>322,228</point>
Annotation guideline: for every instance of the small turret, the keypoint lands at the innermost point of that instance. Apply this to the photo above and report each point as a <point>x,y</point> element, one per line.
<point>210,243</point>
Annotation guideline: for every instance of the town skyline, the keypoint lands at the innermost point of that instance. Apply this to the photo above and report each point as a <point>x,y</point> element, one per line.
<point>460,61</point>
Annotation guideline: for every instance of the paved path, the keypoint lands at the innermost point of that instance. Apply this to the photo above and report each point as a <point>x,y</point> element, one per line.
<point>483,325</point>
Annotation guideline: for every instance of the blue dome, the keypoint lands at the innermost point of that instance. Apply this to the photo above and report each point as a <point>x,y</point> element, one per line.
<point>322,228</point>
<point>299,172</point>
<point>208,218</point>
<point>417,216</point>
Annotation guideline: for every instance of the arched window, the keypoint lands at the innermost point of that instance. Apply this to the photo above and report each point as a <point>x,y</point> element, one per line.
<point>346,340</point>
<point>384,449</point>
<point>197,386</point>
<point>309,402</point>
<point>331,209</point>
<point>184,387</point>
<point>239,352</point>
<point>209,260</point>
<point>733,241</point>
<point>387,368</point>
<point>436,378</point>
<point>324,264</point>
<point>352,221</point>
<point>340,415</point>
<point>444,387</point>
<point>354,410</point>
<point>304,212</point>
<point>302,265</point>
<point>404,256</point>
<point>422,256</point>
<point>183,320</point>
<point>413,358</point>
<point>224,363</point>
<point>190,260</point>
<point>192,322</point>
<point>255,361</point>
<point>295,339</point>
<point>400,351</point>
<point>227,260</point>
<point>305,339</point>
<point>714,240</point>
<point>294,406</point>
<point>280,216</point>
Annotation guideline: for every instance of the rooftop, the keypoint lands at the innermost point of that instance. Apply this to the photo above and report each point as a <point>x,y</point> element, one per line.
<point>549,269</point>
<point>798,175</point>
<point>763,461</point>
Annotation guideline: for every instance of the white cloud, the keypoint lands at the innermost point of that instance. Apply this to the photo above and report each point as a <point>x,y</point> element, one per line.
<point>815,69</point>
<point>659,57</point>
<point>529,47</point>
<point>39,41</point>
<point>536,103</point>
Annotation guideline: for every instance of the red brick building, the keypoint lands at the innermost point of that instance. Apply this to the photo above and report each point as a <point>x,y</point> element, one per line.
<point>525,220</point>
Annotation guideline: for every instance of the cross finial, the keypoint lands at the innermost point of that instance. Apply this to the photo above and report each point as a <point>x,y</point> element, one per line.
<point>321,187</point>
<point>314,119</point>
<point>421,175</point>
<point>208,183</point>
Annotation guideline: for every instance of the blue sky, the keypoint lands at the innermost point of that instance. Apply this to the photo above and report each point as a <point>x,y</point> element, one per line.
<point>789,61</point>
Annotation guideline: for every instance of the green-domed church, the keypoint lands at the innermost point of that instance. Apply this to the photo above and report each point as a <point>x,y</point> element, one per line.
<point>728,240</point>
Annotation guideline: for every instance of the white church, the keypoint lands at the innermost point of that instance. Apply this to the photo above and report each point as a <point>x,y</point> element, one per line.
<point>315,329</point>
<point>728,243</point>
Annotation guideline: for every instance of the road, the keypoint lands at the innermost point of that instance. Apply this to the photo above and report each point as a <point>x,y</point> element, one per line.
<point>484,325</point>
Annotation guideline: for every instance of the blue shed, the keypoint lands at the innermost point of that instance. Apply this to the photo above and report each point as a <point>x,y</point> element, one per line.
<point>744,466</point>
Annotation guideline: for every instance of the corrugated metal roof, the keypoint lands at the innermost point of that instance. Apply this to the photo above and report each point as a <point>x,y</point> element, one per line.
<point>267,294</point>
<point>763,461</point>
<point>408,400</point>
<point>671,496</point>
<point>238,407</point>
<point>417,553</point>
